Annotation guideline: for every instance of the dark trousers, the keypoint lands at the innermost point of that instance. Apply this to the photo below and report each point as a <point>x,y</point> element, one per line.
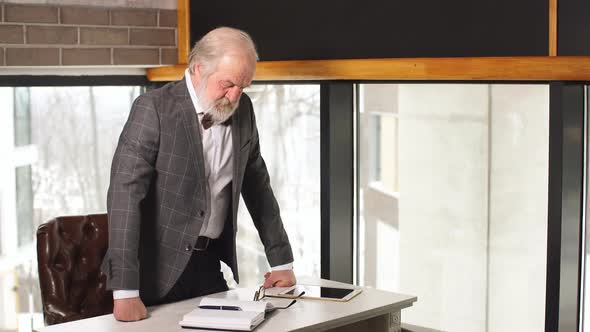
<point>202,276</point>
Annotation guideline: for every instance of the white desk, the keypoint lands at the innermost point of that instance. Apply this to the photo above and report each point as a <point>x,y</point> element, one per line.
<point>372,310</point>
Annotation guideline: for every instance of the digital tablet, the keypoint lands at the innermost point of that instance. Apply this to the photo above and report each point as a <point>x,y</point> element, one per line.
<point>319,292</point>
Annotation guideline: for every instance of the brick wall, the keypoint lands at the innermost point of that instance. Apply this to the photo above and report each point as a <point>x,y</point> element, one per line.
<point>60,35</point>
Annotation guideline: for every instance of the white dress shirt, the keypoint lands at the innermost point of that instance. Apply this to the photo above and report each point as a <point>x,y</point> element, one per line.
<point>217,151</point>
<point>219,167</point>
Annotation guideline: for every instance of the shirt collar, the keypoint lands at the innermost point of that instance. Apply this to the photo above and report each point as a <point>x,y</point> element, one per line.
<point>192,92</point>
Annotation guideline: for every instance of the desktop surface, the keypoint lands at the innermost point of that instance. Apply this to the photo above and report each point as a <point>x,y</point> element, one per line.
<point>305,315</point>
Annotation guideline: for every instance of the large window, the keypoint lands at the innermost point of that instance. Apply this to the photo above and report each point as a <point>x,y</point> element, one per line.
<point>453,201</point>
<point>288,119</point>
<point>57,145</point>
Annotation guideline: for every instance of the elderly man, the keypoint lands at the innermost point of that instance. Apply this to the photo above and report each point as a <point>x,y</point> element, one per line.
<point>185,154</point>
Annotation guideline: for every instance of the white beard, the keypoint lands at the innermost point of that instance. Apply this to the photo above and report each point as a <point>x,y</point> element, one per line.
<point>219,110</point>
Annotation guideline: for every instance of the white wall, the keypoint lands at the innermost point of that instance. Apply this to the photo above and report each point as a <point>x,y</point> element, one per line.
<point>443,165</point>
<point>518,207</point>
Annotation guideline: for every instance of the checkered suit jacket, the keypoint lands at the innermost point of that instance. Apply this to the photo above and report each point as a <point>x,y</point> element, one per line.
<point>157,195</point>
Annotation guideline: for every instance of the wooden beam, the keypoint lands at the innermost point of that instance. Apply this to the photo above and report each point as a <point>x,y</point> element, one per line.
<point>552,27</point>
<point>547,68</point>
<point>184,26</point>
<point>165,74</point>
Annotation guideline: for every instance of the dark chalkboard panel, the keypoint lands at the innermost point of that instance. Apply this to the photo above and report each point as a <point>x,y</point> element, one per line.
<point>337,29</point>
<point>573,27</point>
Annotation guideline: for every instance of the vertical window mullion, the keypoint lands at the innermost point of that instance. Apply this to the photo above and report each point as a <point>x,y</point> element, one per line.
<point>337,174</point>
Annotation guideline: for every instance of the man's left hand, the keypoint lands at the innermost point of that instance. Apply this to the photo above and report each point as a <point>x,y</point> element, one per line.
<point>282,278</point>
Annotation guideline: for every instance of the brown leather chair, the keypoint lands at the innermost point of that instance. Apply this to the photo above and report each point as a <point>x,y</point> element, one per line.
<point>69,252</point>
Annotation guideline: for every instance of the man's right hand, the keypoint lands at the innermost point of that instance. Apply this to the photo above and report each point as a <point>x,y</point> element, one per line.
<point>129,310</point>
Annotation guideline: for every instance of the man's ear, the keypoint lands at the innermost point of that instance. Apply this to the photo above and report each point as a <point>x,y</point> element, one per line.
<point>197,69</point>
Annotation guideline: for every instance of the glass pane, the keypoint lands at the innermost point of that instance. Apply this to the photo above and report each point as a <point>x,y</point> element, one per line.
<point>60,141</point>
<point>382,174</point>
<point>453,209</point>
<point>75,131</point>
<point>22,116</point>
<point>289,127</point>
<point>24,205</point>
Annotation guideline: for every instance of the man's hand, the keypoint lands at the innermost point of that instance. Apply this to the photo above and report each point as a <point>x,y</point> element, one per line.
<point>282,278</point>
<point>129,310</point>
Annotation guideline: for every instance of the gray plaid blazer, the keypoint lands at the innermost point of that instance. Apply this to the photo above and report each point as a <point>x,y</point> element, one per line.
<point>157,199</point>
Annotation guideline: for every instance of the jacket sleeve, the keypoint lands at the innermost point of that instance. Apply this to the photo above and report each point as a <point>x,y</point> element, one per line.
<point>131,175</point>
<point>262,204</point>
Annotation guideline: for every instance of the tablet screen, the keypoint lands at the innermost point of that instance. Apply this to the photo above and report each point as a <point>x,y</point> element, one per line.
<point>317,291</point>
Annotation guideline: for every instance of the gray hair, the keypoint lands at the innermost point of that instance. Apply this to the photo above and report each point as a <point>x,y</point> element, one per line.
<point>217,43</point>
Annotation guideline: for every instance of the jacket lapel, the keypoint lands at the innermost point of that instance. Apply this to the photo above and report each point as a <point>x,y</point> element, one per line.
<point>191,125</point>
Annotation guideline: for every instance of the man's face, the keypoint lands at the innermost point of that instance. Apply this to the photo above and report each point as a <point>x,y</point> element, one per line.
<point>219,93</point>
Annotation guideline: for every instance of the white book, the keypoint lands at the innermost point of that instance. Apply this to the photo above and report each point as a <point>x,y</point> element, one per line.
<point>223,314</point>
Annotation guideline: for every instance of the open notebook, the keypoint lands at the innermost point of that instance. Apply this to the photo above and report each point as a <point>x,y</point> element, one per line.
<point>223,314</point>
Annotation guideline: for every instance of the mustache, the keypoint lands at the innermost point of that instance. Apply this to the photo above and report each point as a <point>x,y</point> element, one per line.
<point>222,105</point>
<point>225,102</point>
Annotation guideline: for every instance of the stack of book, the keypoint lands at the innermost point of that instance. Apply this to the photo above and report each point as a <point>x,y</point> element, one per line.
<point>223,314</point>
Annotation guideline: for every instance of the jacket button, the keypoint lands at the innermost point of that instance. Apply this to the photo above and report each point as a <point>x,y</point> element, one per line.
<point>201,213</point>
<point>188,247</point>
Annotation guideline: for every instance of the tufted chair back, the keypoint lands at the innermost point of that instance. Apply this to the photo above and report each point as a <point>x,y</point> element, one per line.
<point>69,253</point>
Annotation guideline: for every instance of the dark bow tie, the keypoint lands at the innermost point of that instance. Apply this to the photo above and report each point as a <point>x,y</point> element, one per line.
<point>207,121</point>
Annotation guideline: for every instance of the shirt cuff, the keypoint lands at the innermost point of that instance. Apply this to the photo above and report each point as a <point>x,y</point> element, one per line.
<point>125,294</point>
<point>288,266</point>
